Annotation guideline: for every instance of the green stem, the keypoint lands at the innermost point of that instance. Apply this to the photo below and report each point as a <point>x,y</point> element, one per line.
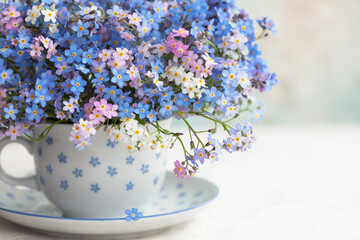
<point>213,45</point>
<point>189,126</point>
<point>45,133</point>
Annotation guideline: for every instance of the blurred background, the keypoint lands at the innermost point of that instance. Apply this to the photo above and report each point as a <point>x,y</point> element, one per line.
<point>316,57</point>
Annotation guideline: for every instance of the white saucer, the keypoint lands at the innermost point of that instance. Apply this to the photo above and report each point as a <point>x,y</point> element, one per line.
<point>178,202</point>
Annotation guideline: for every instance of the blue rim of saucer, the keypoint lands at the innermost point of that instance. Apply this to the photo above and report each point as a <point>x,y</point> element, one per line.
<point>122,219</point>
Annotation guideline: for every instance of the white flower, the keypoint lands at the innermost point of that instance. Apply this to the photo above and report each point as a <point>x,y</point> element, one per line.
<point>160,49</point>
<point>70,105</point>
<point>244,80</point>
<point>53,28</point>
<point>238,41</point>
<point>33,15</point>
<point>200,82</point>
<point>184,77</point>
<point>225,44</point>
<point>50,15</point>
<point>190,88</point>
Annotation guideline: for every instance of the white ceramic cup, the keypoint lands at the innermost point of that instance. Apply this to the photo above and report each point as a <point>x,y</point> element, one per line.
<point>101,181</point>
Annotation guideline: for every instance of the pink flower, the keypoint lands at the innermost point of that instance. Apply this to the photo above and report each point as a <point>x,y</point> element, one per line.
<point>13,132</point>
<point>179,170</point>
<point>98,66</point>
<point>189,60</point>
<point>133,72</point>
<point>171,43</point>
<point>113,111</point>
<point>180,49</point>
<point>11,13</point>
<point>103,106</point>
<point>14,23</point>
<point>36,49</point>
<point>105,55</point>
<point>209,62</point>
<point>182,32</point>
<point>197,67</point>
<point>3,92</point>
<point>127,36</point>
<point>124,53</point>
<point>135,19</point>
<point>52,49</point>
<point>61,115</point>
<point>96,117</point>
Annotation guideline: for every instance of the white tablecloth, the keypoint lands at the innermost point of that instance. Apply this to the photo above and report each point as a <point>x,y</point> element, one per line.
<point>299,182</point>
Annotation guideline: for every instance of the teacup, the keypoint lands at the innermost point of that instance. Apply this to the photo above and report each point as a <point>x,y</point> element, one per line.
<point>101,181</point>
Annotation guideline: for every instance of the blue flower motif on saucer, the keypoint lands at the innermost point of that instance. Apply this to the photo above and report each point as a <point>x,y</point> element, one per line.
<point>130,160</point>
<point>129,186</point>
<point>49,141</point>
<point>133,214</point>
<point>112,171</point>
<point>158,155</point>
<point>94,188</point>
<point>95,161</point>
<point>10,195</point>
<point>144,168</point>
<point>78,173</point>
<point>62,158</point>
<point>64,184</point>
<point>156,180</point>
<point>49,169</point>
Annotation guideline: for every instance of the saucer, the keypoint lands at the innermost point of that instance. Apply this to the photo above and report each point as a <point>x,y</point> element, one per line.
<point>178,201</point>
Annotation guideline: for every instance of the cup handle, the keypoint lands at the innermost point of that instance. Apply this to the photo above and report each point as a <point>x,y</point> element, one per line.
<point>29,182</point>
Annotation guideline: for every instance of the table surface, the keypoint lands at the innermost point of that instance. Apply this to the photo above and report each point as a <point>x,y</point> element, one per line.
<point>299,182</point>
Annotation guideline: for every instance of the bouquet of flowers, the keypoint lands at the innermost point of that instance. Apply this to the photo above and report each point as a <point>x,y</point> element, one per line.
<point>125,65</point>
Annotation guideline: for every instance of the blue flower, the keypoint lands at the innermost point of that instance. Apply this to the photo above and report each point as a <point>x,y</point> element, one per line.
<point>34,113</point>
<point>78,172</point>
<point>133,214</point>
<point>112,171</point>
<point>10,112</point>
<point>111,93</point>
<point>74,54</point>
<point>94,188</point>
<point>167,109</point>
<point>62,158</point>
<point>130,160</point>
<point>142,110</point>
<point>100,78</point>
<point>42,97</point>
<point>151,116</point>
<point>270,81</point>
<point>64,184</point>
<point>125,110</point>
<point>23,40</point>
<point>77,85</point>
<point>199,154</point>
<point>5,75</point>
<point>129,186</point>
<point>94,161</point>
<point>88,56</point>
<point>144,168</point>
<point>120,77</point>
<point>81,28</point>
